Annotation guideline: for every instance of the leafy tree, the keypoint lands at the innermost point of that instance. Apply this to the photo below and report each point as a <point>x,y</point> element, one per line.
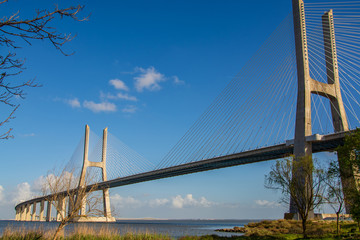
<point>349,162</point>
<point>293,178</point>
<point>355,208</point>
<point>13,30</point>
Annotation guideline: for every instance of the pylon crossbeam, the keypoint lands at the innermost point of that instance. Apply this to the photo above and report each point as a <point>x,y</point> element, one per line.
<point>82,181</point>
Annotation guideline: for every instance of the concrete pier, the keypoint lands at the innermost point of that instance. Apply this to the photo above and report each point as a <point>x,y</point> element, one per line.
<point>64,203</point>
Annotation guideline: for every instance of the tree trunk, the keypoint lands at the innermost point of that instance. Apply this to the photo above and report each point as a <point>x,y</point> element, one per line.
<point>337,223</point>
<point>303,221</point>
<point>59,229</point>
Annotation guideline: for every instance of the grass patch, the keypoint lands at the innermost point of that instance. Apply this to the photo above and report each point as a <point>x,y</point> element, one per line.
<point>265,230</point>
<point>79,233</point>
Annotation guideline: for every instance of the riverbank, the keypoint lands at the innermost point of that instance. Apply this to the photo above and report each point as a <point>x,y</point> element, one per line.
<point>181,229</point>
<point>292,229</point>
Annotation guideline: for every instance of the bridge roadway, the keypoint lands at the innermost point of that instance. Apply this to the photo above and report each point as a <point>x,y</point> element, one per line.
<point>320,143</point>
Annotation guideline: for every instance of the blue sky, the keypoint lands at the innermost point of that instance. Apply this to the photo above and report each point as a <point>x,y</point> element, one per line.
<point>146,70</point>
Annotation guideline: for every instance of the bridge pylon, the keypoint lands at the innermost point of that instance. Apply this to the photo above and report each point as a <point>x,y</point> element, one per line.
<point>308,85</point>
<point>82,181</point>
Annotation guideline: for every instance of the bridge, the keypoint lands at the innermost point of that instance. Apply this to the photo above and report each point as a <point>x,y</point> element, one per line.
<point>221,137</point>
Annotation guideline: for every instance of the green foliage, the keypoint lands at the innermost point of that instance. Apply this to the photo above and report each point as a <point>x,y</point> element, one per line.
<point>351,143</point>
<point>355,207</point>
<point>300,180</point>
<point>349,154</point>
<point>281,227</point>
<point>291,229</point>
<point>349,162</point>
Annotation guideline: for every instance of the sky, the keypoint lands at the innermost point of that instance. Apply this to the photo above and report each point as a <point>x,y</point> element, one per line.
<point>146,70</point>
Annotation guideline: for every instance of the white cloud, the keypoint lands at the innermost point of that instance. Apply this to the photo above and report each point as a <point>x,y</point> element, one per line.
<point>123,96</point>
<point>266,203</point>
<point>189,201</point>
<point>177,202</point>
<point>127,202</point>
<point>74,103</point>
<point>118,84</point>
<point>204,202</point>
<point>129,109</point>
<point>39,183</point>
<point>177,81</point>
<point>23,192</point>
<point>126,97</point>
<point>149,79</point>
<point>59,182</point>
<point>100,107</point>
<point>158,202</point>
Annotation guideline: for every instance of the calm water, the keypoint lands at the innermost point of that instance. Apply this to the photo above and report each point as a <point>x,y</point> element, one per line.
<point>173,228</point>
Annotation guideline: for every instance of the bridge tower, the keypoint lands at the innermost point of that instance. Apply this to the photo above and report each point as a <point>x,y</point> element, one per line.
<point>82,180</point>
<point>308,85</point>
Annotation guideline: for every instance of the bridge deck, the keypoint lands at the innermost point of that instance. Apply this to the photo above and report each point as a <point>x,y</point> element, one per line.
<point>323,143</point>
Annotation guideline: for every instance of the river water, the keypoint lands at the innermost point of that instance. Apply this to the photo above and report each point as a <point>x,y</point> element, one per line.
<point>173,228</point>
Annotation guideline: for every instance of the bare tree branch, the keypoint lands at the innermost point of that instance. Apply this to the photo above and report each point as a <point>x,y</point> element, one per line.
<point>60,189</point>
<point>13,30</point>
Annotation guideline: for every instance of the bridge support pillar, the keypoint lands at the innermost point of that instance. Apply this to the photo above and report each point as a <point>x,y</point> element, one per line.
<point>61,209</point>
<point>70,203</point>
<point>106,201</point>
<point>41,214</point>
<point>48,211</point>
<point>18,210</point>
<point>28,213</point>
<point>308,86</point>
<point>83,206</point>
<point>22,213</point>
<point>302,148</point>
<point>106,195</point>
<point>86,163</point>
<point>33,215</point>
<point>348,177</point>
<point>17,215</point>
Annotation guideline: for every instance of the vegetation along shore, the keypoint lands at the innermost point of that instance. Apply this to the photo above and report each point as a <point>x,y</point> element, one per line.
<point>267,229</point>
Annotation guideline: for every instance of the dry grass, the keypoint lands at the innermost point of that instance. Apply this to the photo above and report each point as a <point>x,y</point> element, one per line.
<point>279,227</point>
<point>79,233</point>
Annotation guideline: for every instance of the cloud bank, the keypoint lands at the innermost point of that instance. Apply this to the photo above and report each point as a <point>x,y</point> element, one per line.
<point>177,202</point>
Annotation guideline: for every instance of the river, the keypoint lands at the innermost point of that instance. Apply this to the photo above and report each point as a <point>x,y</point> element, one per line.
<point>173,228</point>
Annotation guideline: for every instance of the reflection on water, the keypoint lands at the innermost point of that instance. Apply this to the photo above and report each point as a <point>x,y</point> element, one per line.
<point>173,228</point>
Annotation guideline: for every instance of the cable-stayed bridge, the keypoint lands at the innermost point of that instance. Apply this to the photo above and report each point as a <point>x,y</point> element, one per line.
<point>297,95</point>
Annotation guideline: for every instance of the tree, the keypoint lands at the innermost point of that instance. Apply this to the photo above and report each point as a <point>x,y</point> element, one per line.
<point>13,30</point>
<point>334,194</point>
<point>349,162</point>
<point>355,208</point>
<point>298,187</point>
<point>62,189</point>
